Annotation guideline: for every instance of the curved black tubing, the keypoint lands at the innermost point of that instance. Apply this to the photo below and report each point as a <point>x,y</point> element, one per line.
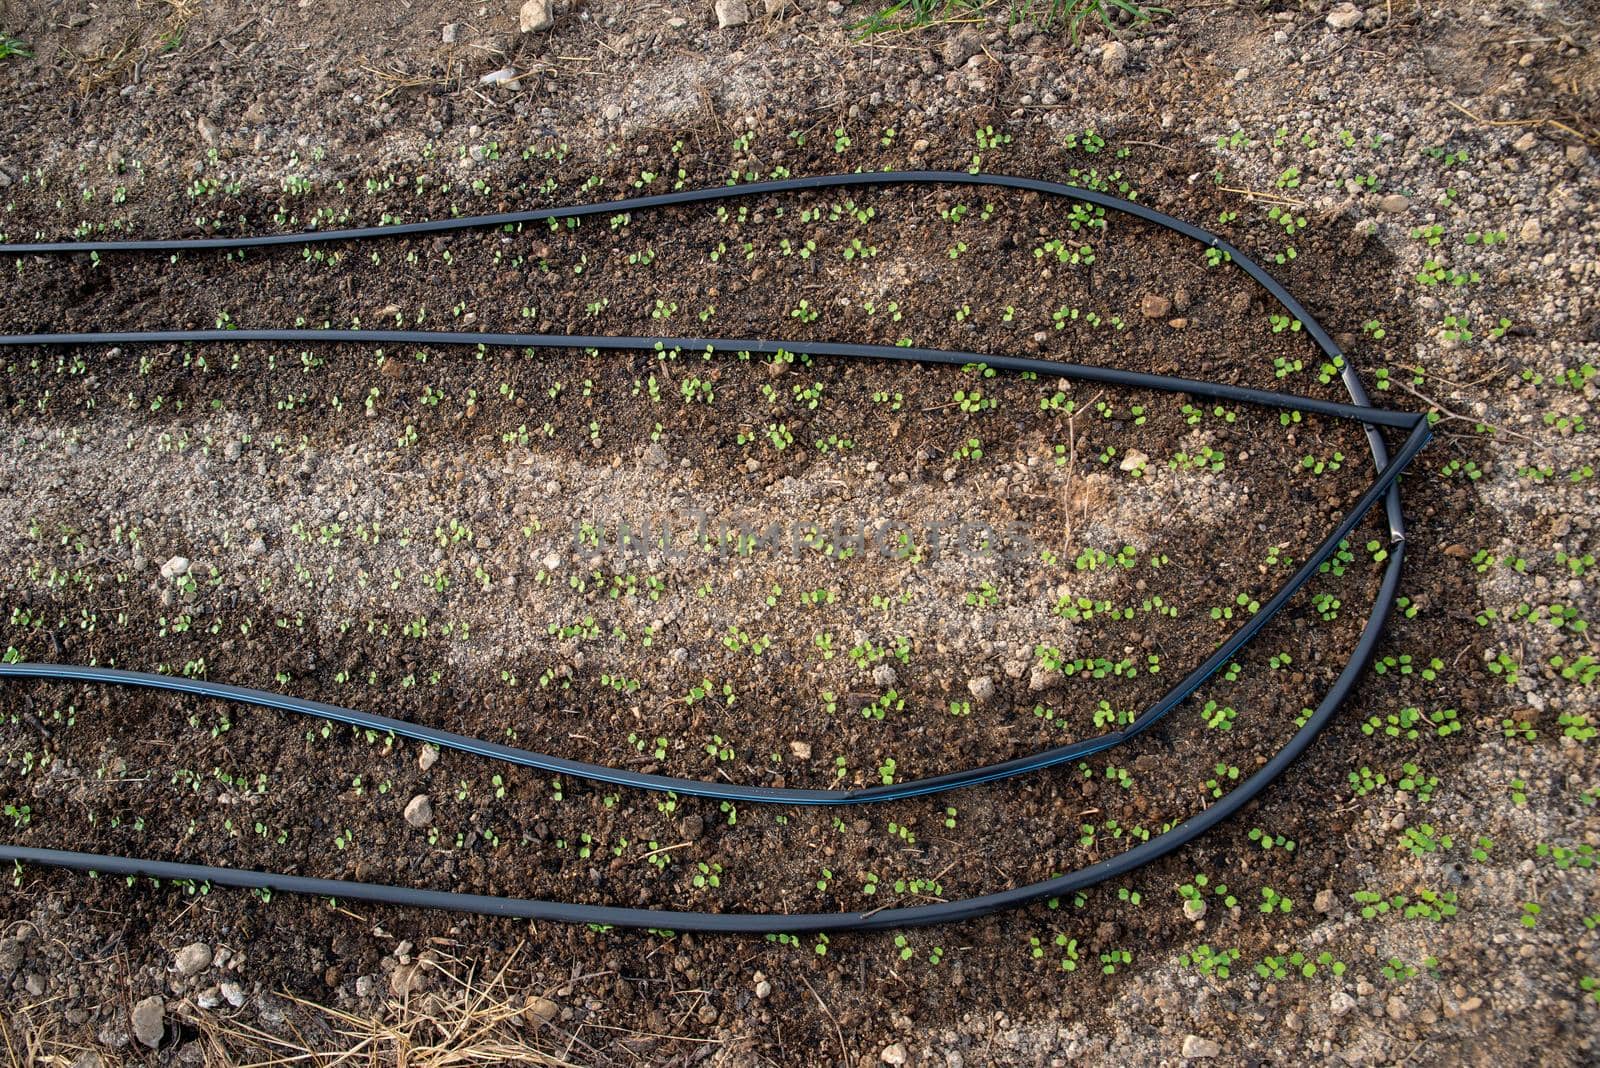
<point>1383,487</point>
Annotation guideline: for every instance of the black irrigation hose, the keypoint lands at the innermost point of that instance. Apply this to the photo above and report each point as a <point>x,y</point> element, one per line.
<point>1384,487</point>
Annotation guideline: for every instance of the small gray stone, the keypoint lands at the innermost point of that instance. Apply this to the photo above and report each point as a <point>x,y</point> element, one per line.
<point>1341,1004</point>
<point>149,1020</point>
<point>895,1054</point>
<point>540,1010</point>
<point>209,998</point>
<point>801,750</point>
<point>1324,901</point>
<point>1344,17</point>
<point>193,958</point>
<point>732,13</point>
<point>536,15</point>
<point>176,567</point>
<point>1042,678</point>
<point>1396,1008</point>
<point>885,676</point>
<point>419,811</point>
<point>364,986</point>
<point>1194,909</point>
<point>257,547</point>
<point>233,993</point>
<point>1113,57</point>
<point>981,688</point>
<point>451,33</point>
<point>1394,203</point>
<point>958,49</point>
<point>428,757</point>
<point>1197,1047</point>
<point>1531,233</point>
<point>506,76</point>
<point>1155,306</point>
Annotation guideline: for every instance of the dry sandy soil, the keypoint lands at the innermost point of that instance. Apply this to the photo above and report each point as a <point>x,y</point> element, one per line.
<point>418,532</point>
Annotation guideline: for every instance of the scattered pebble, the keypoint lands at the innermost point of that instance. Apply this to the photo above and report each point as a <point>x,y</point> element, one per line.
<point>895,1054</point>
<point>451,33</point>
<point>233,993</point>
<point>1531,233</point>
<point>149,1021</point>
<point>801,750</point>
<point>428,757</point>
<point>536,15</point>
<point>175,568</point>
<point>1194,909</point>
<point>885,676</point>
<point>732,13</point>
<point>1197,1047</point>
<point>419,811</point>
<point>1394,203</point>
<point>1042,678</point>
<point>193,958</point>
<point>506,76</point>
<point>1341,1004</point>
<point>540,1010</point>
<point>1344,17</point>
<point>981,688</point>
<point>1324,901</point>
<point>1155,306</point>
<point>1134,460</point>
<point>1113,57</point>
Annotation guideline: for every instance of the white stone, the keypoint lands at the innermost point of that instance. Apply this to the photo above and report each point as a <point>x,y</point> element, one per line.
<point>1344,17</point>
<point>149,1020</point>
<point>419,811</point>
<point>732,13</point>
<point>536,15</point>
<point>1113,57</point>
<point>193,958</point>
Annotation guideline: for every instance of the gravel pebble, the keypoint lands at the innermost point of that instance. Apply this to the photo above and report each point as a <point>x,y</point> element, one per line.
<point>1155,306</point>
<point>1113,57</point>
<point>193,958</point>
<point>536,15</point>
<point>1344,17</point>
<point>895,1054</point>
<point>1395,203</point>
<point>149,1021</point>
<point>419,811</point>
<point>981,688</point>
<point>732,13</point>
<point>1198,1047</point>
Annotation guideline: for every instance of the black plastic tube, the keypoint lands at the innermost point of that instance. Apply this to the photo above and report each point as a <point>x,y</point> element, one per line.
<point>1384,487</point>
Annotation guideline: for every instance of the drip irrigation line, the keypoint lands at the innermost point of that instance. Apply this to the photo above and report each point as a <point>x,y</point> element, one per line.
<point>1384,487</point>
